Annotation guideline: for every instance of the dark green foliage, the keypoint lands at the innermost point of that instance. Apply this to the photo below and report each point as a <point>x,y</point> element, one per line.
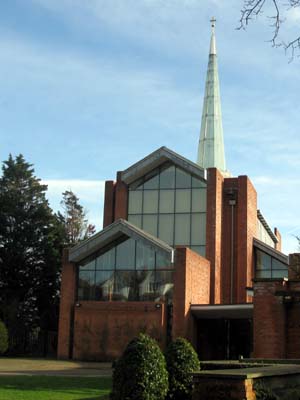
<point>3,338</point>
<point>181,360</point>
<point>263,392</point>
<point>30,251</point>
<point>140,373</point>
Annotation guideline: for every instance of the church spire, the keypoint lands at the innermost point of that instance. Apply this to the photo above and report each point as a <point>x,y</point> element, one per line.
<point>211,144</point>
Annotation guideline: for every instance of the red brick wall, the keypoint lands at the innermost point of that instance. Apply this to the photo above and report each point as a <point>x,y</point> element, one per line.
<point>214,231</point>
<point>121,199</point>
<point>278,235</point>
<point>103,329</point>
<point>191,286</point>
<point>67,299</point>
<point>108,211</point>
<point>269,320</point>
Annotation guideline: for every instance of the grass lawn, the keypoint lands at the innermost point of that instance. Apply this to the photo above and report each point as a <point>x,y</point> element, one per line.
<point>53,388</point>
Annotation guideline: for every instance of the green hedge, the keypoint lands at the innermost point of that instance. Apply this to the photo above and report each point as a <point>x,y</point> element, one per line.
<point>140,373</point>
<point>181,360</point>
<point>3,338</point>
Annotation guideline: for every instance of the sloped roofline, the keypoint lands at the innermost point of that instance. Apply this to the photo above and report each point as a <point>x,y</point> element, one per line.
<point>270,250</point>
<point>112,232</point>
<point>266,226</point>
<point>157,158</point>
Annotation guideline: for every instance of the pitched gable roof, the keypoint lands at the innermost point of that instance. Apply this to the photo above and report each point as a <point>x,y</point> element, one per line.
<point>112,232</point>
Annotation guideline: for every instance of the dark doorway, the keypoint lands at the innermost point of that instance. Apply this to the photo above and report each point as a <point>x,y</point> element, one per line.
<point>224,339</point>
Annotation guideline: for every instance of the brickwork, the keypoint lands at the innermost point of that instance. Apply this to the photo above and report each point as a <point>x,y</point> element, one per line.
<point>108,212</point>
<point>121,199</point>
<point>294,266</point>
<point>191,286</point>
<point>67,300</point>
<point>103,329</point>
<point>269,320</point>
<point>279,243</point>
<point>214,231</point>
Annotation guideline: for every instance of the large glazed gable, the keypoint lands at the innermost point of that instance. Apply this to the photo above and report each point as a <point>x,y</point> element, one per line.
<point>157,158</point>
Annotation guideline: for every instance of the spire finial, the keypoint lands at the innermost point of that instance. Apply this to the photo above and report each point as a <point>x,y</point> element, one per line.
<point>213,23</point>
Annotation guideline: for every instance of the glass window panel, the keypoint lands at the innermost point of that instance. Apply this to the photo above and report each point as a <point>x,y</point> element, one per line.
<point>198,200</point>
<point>197,183</point>
<point>199,249</point>
<point>137,185</point>
<point>135,202</point>
<point>276,264</point>
<point>104,285</point>
<point>198,229</point>
<point>164,284</point>
<point>146,285</point>
<point>166,201</point>
<point>145,256</point>
<point>86,285</point>
<point>280,273</point>
<point>167,178</point>
<point>125,286</point>
<point>151,201</point>
<point>182,229</point>
<point>90,264</point>
<point>263,261</point>
<point>152,180</point>
<point>166,228</point>
<point>150,224</point>
<point>263,274</point>
<point>135,220</point>
<point>125,257</point>
<point>106,260</point>
<point>183,200</point>
<point>183,179</point>
<point>163,260</point>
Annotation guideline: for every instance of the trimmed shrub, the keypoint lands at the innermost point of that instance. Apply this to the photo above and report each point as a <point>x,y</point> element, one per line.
<point>182,360</point>
<point>140,373</point>
<point>3,338</point>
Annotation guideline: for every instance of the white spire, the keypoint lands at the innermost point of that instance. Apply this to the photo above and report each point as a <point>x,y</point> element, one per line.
<point>211,144</point>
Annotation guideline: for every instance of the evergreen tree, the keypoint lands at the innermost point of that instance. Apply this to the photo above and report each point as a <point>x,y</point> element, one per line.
<point>30,250</point>
<point>74,219</point>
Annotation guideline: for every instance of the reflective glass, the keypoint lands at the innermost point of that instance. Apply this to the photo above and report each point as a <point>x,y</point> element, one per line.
<point>199,249</point>
<point>183,179</point>
<point>280,273</point>
<point>104,285</point>
<point>197,183</point>
<point>145,256</point>
<point>135,220</point>
<point>125,257</point>
<point>166,201</point>
<point>276,264</point>
<point>263,261</point>
<point>90,264</point>
<point>198,200</point>
<point>135,202</point>
<point>152,180</point>
<point>263,274</point>
<point>198,229</point>
<point>166,228</point>
<point>150,224</point>
<point>106,260</point>
<point>163,260</point>
<point>86,285</point>
<point>145,285</point>
<point>125,288</point>
<point>167,178</point>
<point>182,229</point>
<point>164,283</point>
<point>183,200</point>
<point>151,201</point>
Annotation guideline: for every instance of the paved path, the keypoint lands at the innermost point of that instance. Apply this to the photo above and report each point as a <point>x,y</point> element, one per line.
<point>42,366</point>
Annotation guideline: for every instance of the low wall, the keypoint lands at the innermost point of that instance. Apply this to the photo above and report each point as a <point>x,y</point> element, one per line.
<point>103,329</point>
<point>239,384</point>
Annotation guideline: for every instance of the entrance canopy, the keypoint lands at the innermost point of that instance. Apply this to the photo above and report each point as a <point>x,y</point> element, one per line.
<point>220,311</point>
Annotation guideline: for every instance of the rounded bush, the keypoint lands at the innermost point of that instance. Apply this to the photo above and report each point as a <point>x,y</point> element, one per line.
<point>182,360</point>
<point>3,338</point>
<point>140,373</point>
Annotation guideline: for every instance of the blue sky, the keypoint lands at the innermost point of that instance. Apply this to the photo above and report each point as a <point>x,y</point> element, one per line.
<point>90,87</point>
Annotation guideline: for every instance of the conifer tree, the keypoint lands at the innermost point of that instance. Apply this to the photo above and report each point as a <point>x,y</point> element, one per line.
<point>30,249</point>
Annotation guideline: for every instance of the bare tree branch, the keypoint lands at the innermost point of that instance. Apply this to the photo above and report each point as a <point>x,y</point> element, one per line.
<point>254,8</point>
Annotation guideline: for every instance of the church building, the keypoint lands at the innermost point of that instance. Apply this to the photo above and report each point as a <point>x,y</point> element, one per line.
<point>182,252</point>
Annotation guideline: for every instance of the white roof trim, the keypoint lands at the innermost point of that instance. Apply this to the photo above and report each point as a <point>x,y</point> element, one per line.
<point>157,158</point>
<point>113,232</point>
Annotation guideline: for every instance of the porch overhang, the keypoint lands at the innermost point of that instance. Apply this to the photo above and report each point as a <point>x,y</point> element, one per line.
<point>222,311</point>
